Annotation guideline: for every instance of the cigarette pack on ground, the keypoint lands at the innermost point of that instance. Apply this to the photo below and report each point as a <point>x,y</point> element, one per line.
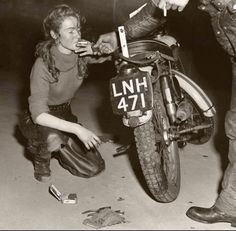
<point>64,198</point>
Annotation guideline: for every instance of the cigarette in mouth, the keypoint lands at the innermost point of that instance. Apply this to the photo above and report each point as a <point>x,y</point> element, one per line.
<point>82,43</point>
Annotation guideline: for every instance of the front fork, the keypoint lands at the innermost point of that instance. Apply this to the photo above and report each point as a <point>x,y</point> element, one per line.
<point>177,108</point>
<point>168,97</point>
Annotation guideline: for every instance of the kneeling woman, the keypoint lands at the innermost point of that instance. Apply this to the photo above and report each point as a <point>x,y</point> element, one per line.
<point>55,77</point>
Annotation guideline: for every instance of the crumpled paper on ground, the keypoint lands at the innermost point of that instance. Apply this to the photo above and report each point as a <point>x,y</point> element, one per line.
<point>104,217</point>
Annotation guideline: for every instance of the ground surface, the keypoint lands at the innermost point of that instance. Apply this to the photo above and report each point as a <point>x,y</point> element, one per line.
<point>27,204</point>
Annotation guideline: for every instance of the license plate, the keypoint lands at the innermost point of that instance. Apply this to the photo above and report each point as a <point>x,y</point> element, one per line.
<point>131,93</point>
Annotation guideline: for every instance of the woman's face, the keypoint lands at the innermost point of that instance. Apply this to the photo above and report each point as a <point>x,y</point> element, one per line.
<point>69,35</point>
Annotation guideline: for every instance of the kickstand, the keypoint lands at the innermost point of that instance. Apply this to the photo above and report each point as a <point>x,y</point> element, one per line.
<point>122,149</point>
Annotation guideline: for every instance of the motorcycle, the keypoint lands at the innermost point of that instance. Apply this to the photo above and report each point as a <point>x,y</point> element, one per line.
<point>164,107</point>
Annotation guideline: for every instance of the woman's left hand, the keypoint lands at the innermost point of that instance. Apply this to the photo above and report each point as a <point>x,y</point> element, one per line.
<point>83,48</point>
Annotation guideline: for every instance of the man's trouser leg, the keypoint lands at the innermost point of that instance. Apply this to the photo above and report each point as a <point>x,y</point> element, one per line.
<point>227,198</point>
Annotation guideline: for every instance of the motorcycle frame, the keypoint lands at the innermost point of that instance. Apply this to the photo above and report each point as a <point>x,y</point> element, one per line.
<point>193,89</point>
<point>188,85</point>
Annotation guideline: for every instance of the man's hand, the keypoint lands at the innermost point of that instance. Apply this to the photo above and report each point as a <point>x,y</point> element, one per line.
<point>107,43</point>
<point>173,4</point>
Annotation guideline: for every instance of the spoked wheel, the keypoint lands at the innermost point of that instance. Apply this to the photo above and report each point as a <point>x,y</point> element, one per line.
<point>159,159</point>
<point>201,136</point>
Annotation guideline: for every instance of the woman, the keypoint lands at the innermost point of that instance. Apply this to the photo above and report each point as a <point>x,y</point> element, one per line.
<point>55,77</point>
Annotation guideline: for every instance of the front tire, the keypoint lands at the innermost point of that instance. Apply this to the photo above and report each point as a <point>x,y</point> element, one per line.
<point>159,161</point>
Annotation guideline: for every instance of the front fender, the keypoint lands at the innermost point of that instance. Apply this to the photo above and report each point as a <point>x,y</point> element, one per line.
<point>196,93</point>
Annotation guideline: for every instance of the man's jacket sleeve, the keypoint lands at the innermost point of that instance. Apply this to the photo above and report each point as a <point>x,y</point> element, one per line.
<point>223,20</point>
<point>145,21</point>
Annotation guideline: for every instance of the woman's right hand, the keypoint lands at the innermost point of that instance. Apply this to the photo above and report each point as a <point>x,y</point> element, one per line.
<point>89,139</point>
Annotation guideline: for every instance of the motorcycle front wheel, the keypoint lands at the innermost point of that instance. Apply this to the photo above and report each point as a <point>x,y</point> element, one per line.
<point>159,160</point>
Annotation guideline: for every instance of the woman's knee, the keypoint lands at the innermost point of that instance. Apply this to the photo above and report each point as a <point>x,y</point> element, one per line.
<point>96,168</point>
<point>87,170</point>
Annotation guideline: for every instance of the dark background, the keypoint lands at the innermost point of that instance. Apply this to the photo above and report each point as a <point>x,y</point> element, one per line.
<point>21,30</point>
<point>21,23</point>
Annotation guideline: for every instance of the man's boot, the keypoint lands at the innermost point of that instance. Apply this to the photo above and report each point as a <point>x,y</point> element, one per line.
<point>210,215</point>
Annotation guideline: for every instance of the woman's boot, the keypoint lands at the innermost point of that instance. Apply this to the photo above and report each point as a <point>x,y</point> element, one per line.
<point>41,161</point>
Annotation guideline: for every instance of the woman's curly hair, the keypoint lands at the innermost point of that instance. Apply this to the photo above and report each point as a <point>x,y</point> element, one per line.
<point>52,22</point>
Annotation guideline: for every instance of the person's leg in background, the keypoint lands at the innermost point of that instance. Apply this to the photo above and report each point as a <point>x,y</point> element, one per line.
<point>224,209</point>
<point>227,198</point>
